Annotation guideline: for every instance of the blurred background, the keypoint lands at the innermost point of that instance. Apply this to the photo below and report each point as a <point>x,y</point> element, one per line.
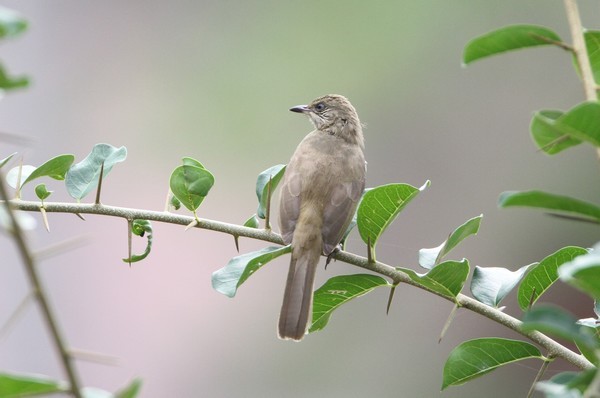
<point>214,81</point>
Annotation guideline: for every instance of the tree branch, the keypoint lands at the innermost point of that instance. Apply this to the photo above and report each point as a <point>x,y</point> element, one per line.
<point>39,292</point>
<point>554,348</point>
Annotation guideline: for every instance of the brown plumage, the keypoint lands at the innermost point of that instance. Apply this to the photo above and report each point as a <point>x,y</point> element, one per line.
<point>322,185</point>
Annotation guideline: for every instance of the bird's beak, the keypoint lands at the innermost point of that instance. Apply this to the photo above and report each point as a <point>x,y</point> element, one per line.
<point>300,109</point>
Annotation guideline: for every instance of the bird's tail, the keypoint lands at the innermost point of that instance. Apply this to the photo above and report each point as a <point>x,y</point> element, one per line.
<point>297,300</point>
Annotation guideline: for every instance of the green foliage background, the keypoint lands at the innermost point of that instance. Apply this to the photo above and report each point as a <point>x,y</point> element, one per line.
<point>214,80</point>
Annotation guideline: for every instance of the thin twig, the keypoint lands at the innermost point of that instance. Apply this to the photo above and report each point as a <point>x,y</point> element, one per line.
<point>40,293</point>
<point>554,348</point>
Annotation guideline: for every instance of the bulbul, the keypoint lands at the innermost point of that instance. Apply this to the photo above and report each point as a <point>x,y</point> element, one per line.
<point>322,185</point>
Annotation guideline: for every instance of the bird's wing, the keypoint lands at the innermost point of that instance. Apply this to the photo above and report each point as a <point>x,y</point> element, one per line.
<point>289,204</point>
<point>339,210</point>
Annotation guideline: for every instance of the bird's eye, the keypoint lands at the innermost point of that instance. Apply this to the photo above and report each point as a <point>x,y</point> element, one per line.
<point>320,106</point>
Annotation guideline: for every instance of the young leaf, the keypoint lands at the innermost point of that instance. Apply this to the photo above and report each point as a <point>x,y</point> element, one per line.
<point>187,161</point>
<point>583,272</point>
<point>446,279</point>
<point>11,23</point>
<point>428,258</point>
<point>131,391</point>
<point>83,177</point>
<point>477,357</point>
<point>542,275</point>
<point>8,82</point>
<point>190,184</point>
<point>141,228</point>
<point>508,38</point>
<point>547,136</point>
<point>566,384</point>
<point>7,159</point>
<point>556,321</point>
<point>13,179</point>
<point>490,285</point>
<point>337,291</point>
<point>548,201</point>
<point>41,191</point>
<point>227,279</point>
<point>252,222</point>
<point>380,206</point>
<point>55,168</point>
<point>273,174</point>
<point>12,385</point>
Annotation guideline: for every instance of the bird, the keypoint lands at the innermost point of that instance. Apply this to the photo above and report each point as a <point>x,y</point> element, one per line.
<point>320,190</point>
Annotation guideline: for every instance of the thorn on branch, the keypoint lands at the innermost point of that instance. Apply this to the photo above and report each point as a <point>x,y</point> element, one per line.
<point>99,190</point>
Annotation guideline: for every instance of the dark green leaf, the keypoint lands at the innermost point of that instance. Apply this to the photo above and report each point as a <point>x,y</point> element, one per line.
<point>490,285</point>
<point>542,275</point>
<point>380,206</point>
<point>55,168</point>
<point>548,201</point>
<point>592,41</point>
<point>12,385</point>
<point>7,159</point>
<point>547,136</point>
<point>141,228</point>
<point>252,222</point>
<point>428,258</point>
<point>583,272</point>
<point>41,191</point>
<point>447,278</point>
<point>337,291</point>
<point>190,184</point>
<point>557,322</point>
<point>508,38</point>
<point>83,177</point>
<point>477,357</point>
<point>227,279</point>
<point>11,23</point>
<point>8,82</point>
<point>274,175</point>
<point>131,391</point>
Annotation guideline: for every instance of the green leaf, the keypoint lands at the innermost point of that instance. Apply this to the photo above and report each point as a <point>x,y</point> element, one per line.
<point>7,159</point>
<point>477,357</point>
<point>566,384</point>
<point>8,82</point>
<point>187,161</point>
<point>542,275</point>
<point>131,391</point>
<point>42,192</point>
<point>592,42</point>
<point>252,222</point>
<point>12,385</point>
<point>191,184</point>
<point>447,278</point>
<point>428,258</point>
<point>549,201</point>
<point>583,272</point>
<point>581,122</point>
<point>11,23</point>
<point>380,206</point>
<point>556,321</point>
<point>337,291</point>
<point>508,38</point>
<point>273,174</point>
<point>490,285</point>
<point>174,202</point>
<point>227,279</point>
<point>55,168</point>
<point>141,228</point>
<point>83,177</point>
<point>547,136</point>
